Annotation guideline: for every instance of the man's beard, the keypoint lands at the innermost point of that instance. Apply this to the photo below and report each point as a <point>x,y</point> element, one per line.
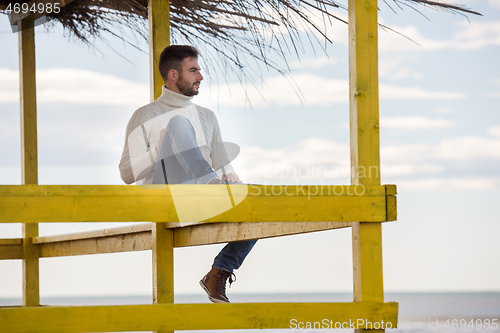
<point>185,88</point>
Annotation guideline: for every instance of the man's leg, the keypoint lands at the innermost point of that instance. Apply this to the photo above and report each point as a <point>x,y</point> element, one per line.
<point>179,162</point>
<point>232,255</point>
<point>179,157</point>
<point>229,258</point>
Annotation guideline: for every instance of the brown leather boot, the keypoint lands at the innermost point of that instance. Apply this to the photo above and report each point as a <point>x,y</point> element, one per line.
<point>214,284</point>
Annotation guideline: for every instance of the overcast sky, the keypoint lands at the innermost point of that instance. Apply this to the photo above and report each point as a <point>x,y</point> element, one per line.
<point>440,144</point>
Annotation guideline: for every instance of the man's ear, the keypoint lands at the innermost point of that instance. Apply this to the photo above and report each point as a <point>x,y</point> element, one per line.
<point>173,74</point>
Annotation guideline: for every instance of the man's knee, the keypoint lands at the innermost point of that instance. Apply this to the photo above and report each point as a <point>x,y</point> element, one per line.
<point>178,120</point>
<point>179,123</point>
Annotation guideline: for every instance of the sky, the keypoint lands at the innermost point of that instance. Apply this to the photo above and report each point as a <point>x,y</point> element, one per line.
<point>440,144</point>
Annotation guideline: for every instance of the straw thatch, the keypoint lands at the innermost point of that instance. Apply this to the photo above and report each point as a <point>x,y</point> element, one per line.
<point>231,29</point>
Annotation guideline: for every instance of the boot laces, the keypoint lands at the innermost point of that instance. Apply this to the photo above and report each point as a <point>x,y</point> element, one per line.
<point>222,276</point>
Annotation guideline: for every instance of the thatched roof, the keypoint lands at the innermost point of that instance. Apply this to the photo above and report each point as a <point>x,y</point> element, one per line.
<point>228,28</point>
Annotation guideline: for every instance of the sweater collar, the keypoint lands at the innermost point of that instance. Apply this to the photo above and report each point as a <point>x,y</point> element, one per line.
<point>174,99</point>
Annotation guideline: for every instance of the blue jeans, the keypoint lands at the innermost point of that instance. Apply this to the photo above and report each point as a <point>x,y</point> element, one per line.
<point>180,161</point>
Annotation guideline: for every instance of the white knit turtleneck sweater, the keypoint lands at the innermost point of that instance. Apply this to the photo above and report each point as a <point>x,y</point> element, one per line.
<point>143,131</point>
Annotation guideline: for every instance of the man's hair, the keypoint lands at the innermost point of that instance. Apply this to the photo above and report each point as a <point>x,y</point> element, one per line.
<point>173,56</point>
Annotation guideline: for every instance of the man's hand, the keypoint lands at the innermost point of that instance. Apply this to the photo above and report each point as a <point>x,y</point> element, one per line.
<point>231,177</point>
<point>159,141</point>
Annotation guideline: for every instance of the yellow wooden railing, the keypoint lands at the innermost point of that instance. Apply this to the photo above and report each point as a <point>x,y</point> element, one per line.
<point>264,211</point>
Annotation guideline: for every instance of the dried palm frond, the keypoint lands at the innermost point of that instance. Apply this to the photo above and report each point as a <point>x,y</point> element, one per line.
<point>229,29</point>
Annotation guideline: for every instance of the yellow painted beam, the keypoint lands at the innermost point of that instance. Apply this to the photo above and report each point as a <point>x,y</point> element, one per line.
<point>170,317</point>
<point>29,156</point>
<point>27,80</point>
<point>159,38</point>
<point>163,264</point>
<point>365,147</point>
<point>31,266</point>
<point>392,210</point>
<point>11,241</point>
<point>140,241</point>
<point>215,233</point>
<point>363,92</point>
<point>162,238</point>
<point>367,262</point>
<point>11,249</point>
<point>118,203</point>
<point>139,237</point>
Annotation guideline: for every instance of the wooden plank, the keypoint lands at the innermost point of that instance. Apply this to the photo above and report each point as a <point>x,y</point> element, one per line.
<point>365,146</point>
<point>11,248</point>
<point>392,210</point>
<point>189,190</point>
<point>27,81</point>
<point>215,233</point>
<point>363,92</point>
<point>391,202</point>
<point>163,264</point>
<point>29,157</point>
<point>140,241</point>
<point>11,251</point>
<point>11,241</point>
<point>131,229</point>
<point>391,190</point>
<point>159,38</point>
<point>112,240</point>
<point>15,18</point>
<point>31,278</point>
<point>110,203</point>
<point>140,238</point>
<point>162,238</point>
<point>367,262</point>
<point>169,317</point>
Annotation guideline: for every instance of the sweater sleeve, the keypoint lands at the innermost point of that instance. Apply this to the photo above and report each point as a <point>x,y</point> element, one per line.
<point>218,153</point>
<point>138,157</point>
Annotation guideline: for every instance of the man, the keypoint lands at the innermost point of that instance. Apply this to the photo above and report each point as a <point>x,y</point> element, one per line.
<point>173,141</point>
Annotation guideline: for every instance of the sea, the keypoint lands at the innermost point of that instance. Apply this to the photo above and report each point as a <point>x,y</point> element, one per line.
<point>464,312</point>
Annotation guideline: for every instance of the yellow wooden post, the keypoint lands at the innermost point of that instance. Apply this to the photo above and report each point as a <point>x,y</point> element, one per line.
<point>365,145</point>
<point>163,264</point>
<point>163,239</point>
<point>29,156</point>
<point>159,38</point>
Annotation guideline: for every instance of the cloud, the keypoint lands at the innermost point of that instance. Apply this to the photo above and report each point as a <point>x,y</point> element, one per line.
<point>444,110</point>
<point>314,63</point>
<point>414,123</point>
<point>392,68</point>
<point>307,160</point>
<point>471,36</point>
<point>494,93</point>
<point>299,89</point>
<point>468,150</point>
<point>416,93</point>
<point>456,163</point>
<point>451,184</point>
<point>311,90</point>
<point>76,86</point>
<point>494,131</point>
<point>494,3</point>
<point>83,87</point>
<point>467,36</point>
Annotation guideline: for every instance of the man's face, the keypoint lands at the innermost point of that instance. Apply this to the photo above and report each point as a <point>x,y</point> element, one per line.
<point>190,77</point>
